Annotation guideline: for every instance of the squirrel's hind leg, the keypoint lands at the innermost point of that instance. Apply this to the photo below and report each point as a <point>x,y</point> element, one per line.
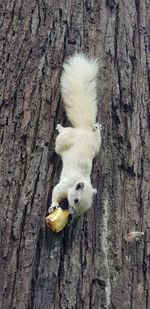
<point>64,139</point>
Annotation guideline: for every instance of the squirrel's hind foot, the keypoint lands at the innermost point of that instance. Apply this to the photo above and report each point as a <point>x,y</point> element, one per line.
<point>97,126</point>
<point>59,127</point>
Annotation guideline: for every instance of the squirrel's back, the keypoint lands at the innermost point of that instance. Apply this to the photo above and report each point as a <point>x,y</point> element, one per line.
<point>79,90</point>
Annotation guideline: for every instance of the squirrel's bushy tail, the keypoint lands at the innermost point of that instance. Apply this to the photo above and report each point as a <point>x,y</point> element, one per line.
<point>78,87</point>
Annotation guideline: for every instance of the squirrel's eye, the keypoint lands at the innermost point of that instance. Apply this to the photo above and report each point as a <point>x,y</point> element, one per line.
<point>76,200</point>
<point>80,185</point>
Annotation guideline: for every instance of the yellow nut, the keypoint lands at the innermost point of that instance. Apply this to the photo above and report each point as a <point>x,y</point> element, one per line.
<point>57,220</point>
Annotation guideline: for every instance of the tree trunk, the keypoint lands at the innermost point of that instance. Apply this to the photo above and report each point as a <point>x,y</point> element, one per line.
<point>95,263</point>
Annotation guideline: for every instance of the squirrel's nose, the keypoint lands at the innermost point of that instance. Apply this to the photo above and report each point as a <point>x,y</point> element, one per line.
<point>76,200</point>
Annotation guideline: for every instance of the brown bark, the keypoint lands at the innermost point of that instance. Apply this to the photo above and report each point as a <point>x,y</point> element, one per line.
<point>90,265</point>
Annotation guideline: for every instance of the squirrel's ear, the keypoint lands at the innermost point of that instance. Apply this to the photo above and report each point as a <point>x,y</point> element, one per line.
<point>94,191</point>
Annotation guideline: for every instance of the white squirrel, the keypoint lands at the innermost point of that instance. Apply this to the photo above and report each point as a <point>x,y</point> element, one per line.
<point>78,145</point>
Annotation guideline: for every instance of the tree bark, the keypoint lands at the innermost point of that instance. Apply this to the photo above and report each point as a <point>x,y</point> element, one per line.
<point>94,263</point>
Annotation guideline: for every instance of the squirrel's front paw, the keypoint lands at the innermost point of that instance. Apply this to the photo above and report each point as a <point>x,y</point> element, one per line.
<point>52,208</point>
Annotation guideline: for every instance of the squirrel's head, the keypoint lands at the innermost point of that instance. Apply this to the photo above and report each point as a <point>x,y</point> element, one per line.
<point>80,197</point>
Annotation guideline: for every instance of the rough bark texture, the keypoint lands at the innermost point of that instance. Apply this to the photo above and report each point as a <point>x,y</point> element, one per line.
<point>90,265</point>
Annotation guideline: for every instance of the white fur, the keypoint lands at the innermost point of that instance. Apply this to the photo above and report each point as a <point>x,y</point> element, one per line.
<point>79,145</point>
<point>78,87</point>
